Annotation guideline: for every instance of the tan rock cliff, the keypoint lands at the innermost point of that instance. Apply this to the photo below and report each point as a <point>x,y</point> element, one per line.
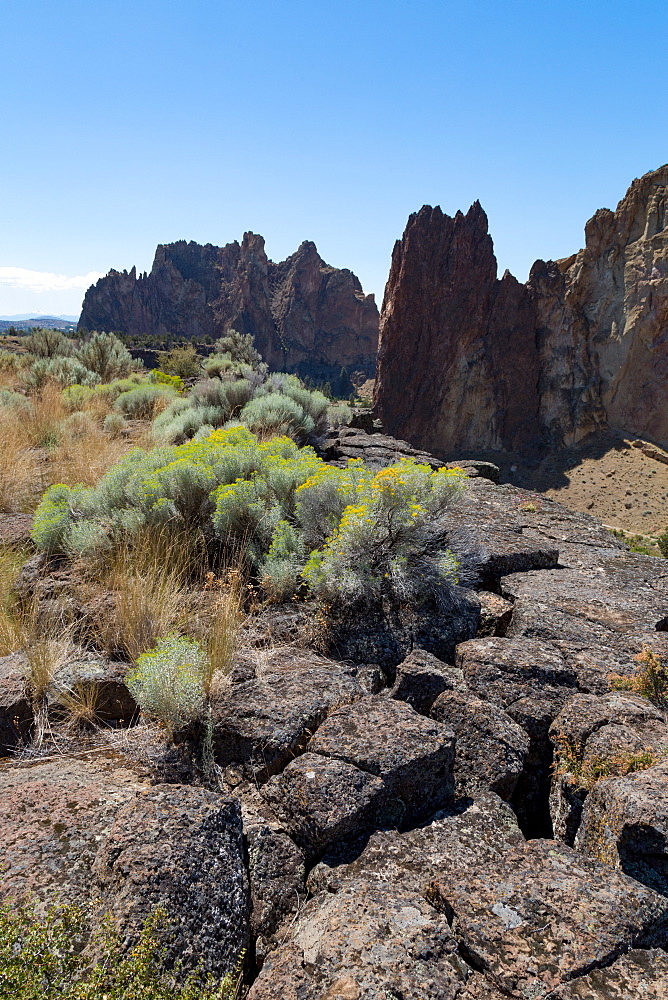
<point>467,361</point>
<point>303,314</point>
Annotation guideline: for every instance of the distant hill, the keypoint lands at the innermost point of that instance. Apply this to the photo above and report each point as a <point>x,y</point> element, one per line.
<point>23,322</point>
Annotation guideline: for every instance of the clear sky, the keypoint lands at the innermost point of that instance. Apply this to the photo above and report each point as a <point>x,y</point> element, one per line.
<point>126,124</point>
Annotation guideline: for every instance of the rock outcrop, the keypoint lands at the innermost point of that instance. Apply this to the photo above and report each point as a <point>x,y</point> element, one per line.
<point>470,362</point>
<point>303,314</point>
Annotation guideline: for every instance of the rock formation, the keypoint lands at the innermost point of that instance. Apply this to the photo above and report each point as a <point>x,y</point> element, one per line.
<point>471,362</point>
<point>304,315</point>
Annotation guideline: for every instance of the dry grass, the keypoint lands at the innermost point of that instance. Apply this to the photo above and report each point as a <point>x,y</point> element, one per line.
<point>650,679</point>
<point>43,445</point>
<point>148,580</point>
<point>11,624</point>
<point>225,625</point>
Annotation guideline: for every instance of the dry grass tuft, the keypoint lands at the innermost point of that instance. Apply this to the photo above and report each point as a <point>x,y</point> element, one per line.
<point>225,624</point>
<point>42,444</point>
<point>148,578</point>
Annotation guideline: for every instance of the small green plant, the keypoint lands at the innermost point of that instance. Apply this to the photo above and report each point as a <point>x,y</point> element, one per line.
<point>169,681</point>
<point>586,770</point>
<point>650,680</point>
<point>41,958</point>
<point>182,361</point>
<point>114,424</point>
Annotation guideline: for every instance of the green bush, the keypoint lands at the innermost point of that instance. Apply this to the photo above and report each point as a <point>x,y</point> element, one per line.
<point>162,378</point>
<point>184,362</point>
<point>350,534</point>
<point>46,343</point>
<point>41,959</point>
<point>13,399</point>
<point>240,347</point>
<point>168,681</point>
<point>140,402</point>
<point>106,355</point>
<point>64,370</point>
<point>277,414</point>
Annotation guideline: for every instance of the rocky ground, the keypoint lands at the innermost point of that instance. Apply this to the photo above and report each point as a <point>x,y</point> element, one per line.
<point>410,815</point>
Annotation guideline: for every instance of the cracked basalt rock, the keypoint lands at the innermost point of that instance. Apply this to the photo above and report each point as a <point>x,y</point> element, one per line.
<point>591,733</point>
<point>421,677</point>
<point>490,748</point>
<point>625,825</point>
<point>365,941</point>
<point>476,831</point>
<point>53,817</point>
<point>638,975</point>
<point>321,800</point>
<point>181,849</point>
<point>543,914</point>
<point>411,754</point>
<point>263,722</point>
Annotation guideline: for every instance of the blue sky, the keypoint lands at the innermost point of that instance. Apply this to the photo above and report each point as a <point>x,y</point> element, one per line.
<point>128,124</point>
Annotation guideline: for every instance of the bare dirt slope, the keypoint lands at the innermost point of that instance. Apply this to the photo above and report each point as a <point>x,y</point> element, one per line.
<point>620,480</point>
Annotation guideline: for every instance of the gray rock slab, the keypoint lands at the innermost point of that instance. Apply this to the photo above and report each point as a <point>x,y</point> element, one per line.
<point>412,754</point>
<point>638,975</point>
<point>263,722</point>
<point>322,800</point>
<point>422,677</point>
<point>625,825</point>
<point>543,914</point>
<point>490,748</point>
<point>179,848</point>
<point>366,941</point>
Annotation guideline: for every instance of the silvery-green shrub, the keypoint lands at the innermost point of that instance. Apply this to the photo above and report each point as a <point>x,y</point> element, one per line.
<point>168,681</point>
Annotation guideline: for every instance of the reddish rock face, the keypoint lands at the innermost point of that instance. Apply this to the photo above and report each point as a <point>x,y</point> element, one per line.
<point>303,314</point>
<point>470,362</point>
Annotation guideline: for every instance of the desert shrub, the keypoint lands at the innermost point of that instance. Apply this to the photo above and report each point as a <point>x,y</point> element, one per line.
<point>62,370</point>
<point>390,538</point>
<point>169,680</point>
<point>143,401</point>
<point>46,343</point>
<point>114,424</point>
<point>79,424</point>
<point>162,378</point>
<point>182,361</point>
<point>650,679</point>
<point>277,414</point>
<point>41,958</point>
<point>240,347</point>
<point>13,399</point>
<point>82,397</point>
<point>219,365</point>
<point>339,415</point>
<point>350,534</point>
<point>106,355</point>
<point>283,563</point>
<point>662,542</point>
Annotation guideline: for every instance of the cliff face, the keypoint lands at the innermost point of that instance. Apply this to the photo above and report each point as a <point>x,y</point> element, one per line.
<point>303,314</point>
<point>467,361</point>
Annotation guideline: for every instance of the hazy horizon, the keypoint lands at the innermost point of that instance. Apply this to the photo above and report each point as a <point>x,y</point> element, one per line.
<point>330,122</point>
